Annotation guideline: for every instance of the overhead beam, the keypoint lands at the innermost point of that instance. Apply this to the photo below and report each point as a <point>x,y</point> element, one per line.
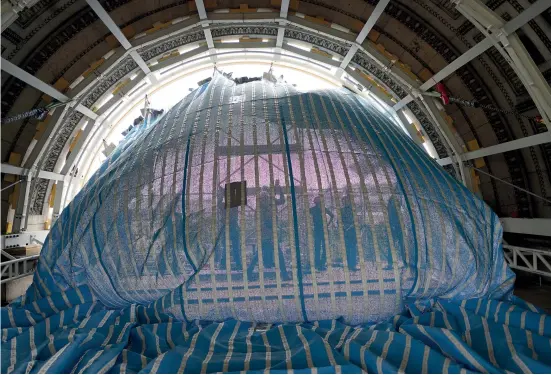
<point>42,86</point>
<point>526,16</point>
<point>20,220</point>
<point>9,14</point>
<point>371,21</point>
<point>108,21</point>
<point>31,80</point>
<point>283,12</point>
<point>539,227</point>
<point>169,32</point>
<point>61,190</point>
<point>512,50</point>
<point>18,171</point>
<point>117,33</point>
<point>456,64</point>
<point>452,143</point>
<point>346,60</point>
<point>203,17</point>
<point>208,38</point>
<point>201,9</point>
<point>531,12</point>
<point>280,36</point>
<point>517,144</point>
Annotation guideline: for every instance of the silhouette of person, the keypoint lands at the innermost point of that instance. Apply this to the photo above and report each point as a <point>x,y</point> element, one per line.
<point>266,205</point>
<point>350,243</point>
<point>320,247</point>
<point>234,231</point>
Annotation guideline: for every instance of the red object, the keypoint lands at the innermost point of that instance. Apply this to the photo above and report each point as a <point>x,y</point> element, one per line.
<point>443,93</point>
<point>539,119</point>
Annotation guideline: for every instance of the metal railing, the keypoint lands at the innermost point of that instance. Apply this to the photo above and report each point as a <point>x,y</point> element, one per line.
<point>529,260</point>
<point>17,268</point>
<point>520,258</point>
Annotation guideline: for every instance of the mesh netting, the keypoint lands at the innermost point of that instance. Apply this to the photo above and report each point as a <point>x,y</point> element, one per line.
<point>261,203</point>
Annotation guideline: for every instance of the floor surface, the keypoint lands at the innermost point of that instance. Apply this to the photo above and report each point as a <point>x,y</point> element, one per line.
<point>537,295</point>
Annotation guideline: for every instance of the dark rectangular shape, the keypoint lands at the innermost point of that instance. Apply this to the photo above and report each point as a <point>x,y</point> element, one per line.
<point>237,194</point>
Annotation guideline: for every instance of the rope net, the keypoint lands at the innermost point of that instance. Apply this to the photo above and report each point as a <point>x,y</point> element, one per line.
<point>257,202</point>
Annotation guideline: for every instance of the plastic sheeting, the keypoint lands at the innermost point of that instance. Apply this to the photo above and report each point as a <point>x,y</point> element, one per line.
<point>72,332</point>
<point>260,203</point>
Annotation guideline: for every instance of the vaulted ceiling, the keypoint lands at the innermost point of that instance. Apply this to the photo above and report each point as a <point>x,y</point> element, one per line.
<point>64,43</point>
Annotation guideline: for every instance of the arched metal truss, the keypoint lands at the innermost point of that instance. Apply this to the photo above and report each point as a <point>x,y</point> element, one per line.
<point>357,63</point>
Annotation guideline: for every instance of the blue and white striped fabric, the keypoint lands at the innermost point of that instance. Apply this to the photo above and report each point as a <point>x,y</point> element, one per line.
<point>334,212</point>
<point>73,332</point>
<point>255,203</point>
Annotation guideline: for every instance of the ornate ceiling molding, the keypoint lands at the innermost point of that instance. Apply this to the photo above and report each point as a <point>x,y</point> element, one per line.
<point>329,44</point>
<point>249,29</point>
<point>37,195</point>
<point>149,52</point>
<point>127,65</point>
<point>400,10</point>
<point>122,69</point>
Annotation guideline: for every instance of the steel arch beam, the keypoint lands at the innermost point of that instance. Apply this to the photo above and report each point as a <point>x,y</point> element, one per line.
<point>510,27</point>
<point>116,31</point>
<point>512,49</point>
<point>375,15</point>
<point>42,86</point>
<point>326,32</point>
<point>517,144</point>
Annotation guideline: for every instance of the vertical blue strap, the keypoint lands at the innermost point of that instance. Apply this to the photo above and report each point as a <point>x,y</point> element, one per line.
<point>186,166</point>
<point>295,217</point>
<point>184,205</point>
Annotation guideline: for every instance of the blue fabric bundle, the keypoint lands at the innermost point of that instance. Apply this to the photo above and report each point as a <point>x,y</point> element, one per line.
<point>311,213</point>
<point>260,203</point>
<point>71,332</point>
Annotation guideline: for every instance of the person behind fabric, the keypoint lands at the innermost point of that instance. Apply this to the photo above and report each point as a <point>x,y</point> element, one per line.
<point>394,206</point>
<point>320,248</point>
<point>267,205</point>
<point>234,229</point>
<point>350,243</point>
